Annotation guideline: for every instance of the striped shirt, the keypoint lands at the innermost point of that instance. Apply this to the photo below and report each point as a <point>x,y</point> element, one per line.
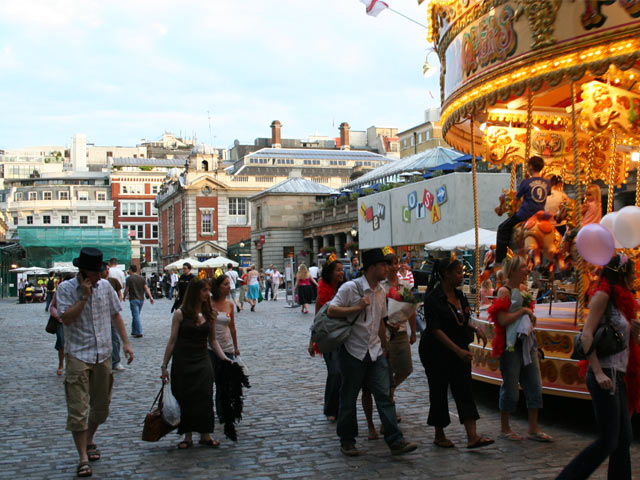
<point>88,338</point>
<point>406,280</point>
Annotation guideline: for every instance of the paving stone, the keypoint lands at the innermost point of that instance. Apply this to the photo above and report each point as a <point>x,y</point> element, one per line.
<point>283,433</point>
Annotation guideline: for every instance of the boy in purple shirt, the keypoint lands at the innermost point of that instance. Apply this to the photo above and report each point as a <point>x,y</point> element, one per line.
<point>533,191</point>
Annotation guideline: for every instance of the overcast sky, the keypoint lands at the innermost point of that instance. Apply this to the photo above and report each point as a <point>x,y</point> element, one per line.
<point>120,71</point>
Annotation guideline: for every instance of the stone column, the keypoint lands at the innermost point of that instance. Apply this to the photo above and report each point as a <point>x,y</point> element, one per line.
<point>338,244</point>
<point>316,247</point>
<point>326,240</point>
<point>349,240</point>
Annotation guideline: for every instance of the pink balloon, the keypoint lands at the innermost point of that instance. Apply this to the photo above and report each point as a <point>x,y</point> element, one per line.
<point>595,244</point>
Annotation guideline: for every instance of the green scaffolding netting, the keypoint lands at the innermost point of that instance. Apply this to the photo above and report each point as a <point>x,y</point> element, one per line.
<point>44,246</point>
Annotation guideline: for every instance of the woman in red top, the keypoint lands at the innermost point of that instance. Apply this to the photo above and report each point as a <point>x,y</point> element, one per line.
<point>332,277</point>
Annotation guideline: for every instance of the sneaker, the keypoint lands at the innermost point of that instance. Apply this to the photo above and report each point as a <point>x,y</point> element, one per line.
<point>136,335</point>
<point>402,446</point>
<point>118,367</point>
<point>349,449</point>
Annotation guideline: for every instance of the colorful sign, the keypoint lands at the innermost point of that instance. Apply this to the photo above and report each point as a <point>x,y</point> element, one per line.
<point>435,213</point>
<point>441,195</point>
<point>427,199</point>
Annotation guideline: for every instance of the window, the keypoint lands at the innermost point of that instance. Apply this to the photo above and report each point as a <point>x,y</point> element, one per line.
<point>154,231</point>
<point>46,219</point>
<point>47,196</point>
<point>154,209</point>
<point>404,143</point>
<point>29,219</point>
<point>154,189</point>
<point>206,223</point>
<point>420,137</point>
<point>412,140</point>
<point>102,220</point>
<point>84,220</point>
<point>15,220</point>
<point>139,231</point>
<point>18,196</point>
<point>83,196</point>
<point>63,195</point>
<point>131,209</point>
<point>259,218</point>
<point>101,196</point>
<point>125,189</point>
<point>64,219</point>
<point>33,195</point>
<point>237,206</point>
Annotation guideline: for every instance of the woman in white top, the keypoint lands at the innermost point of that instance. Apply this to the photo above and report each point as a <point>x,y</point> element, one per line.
<point>225,330</point>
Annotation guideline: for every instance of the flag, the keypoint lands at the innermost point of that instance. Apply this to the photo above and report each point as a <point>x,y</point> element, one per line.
<point>374,7</point>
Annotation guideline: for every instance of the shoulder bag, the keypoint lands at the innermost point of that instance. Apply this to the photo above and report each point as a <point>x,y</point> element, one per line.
<point>328,332</point>
<point>52,325</point>
<point>156,427</point>
<point>607,340</point>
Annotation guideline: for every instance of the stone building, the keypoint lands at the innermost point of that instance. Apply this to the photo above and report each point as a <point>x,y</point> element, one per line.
<point>278,216</point>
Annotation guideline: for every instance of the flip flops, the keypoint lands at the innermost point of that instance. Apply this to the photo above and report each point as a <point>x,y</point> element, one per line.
<point>84,469</point>
<point>92,452</point>
<point>444,443</point>
<point>511,436</point>
<point>540,437</point>
<point>210,443</point>
<point>183,445</point>
<point>481,442</point>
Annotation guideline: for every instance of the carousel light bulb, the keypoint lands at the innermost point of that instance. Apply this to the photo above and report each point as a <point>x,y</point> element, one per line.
<point>635,157</point>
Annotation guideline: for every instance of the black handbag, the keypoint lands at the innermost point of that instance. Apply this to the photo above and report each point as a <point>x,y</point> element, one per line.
<point>607,340</point>
<point>52,325</point>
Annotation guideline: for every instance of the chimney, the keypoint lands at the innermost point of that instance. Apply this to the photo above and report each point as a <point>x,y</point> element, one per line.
<point>276,141</point>
<point>344,136</point>
<point>79,153</point>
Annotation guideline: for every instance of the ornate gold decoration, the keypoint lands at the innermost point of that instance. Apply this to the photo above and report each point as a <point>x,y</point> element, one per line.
<point>541,15</point>
<point>605,105</point>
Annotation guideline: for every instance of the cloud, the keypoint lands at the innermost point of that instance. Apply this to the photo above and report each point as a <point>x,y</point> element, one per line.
<point>7,58</point>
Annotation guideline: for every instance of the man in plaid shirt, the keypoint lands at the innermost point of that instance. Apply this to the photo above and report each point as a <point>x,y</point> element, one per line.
<point>87,305</point>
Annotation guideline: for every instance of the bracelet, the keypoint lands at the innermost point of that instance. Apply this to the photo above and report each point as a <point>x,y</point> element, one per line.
<point>163,366</point>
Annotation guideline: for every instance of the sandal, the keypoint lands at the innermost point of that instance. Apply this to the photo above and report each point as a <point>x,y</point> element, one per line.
<point>481,442</point>
<point>373,435</point>
<point>540,437</point>
<point>92,452</point>
<point>511,436</point>
<point>84,469</point>
<point>183,445</point>
<point>210,443</point>
<point>444,443</point>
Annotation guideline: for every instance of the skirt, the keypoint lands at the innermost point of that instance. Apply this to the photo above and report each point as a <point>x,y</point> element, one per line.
<point>254,291</point>
<point>305,294</point>
<point>192,385</point>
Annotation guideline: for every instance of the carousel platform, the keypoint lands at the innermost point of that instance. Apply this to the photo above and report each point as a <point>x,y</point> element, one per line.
<point>555,333</point>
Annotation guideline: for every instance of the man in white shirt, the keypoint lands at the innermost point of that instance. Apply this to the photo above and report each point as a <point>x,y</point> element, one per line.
<point>233,283</point>
<point>267,282</point>
<point>276,278</point>
<point>174,283</point>
<point>115,272</point>
<point>314,271</point>
<point>362,357</point>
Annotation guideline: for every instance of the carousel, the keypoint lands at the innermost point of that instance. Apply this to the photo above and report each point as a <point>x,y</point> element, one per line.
<point>559,80</point>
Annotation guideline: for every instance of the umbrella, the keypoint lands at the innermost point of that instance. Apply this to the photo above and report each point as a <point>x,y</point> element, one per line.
<point>179,263</point>
<point>19,269</point>
<point>218,262</point>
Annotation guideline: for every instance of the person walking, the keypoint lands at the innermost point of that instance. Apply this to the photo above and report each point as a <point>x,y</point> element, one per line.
<point>276,278</point>
<point>105,273</point>
<point>87,305</point>
<point>516,345</point>
<point>135,289</point>
<point>303,284</point>
<point>445,356</point>
<point>354,269</point>
<point>331,278</point>
<point>53,311</point>
<point>233,284</point>
<point>253,283</point>
<point>51,289</point>
<point>173,283</point>
<point>362,357</point>
<point>193,327</point>
<point>117,273</point>
<point>613,380</point>
<point>243,287</point>
<point>268,284</point>
<point>182,284</point>
<point>314,271</point>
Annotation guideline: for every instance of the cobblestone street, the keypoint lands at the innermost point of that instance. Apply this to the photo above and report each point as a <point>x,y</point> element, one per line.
<point>283,433</point>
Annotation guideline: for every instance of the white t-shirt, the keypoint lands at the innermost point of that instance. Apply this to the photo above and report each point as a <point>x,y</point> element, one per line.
<point>314,272</point>
<point>233,278</point>
<point>118,274</point>
<point>276,276</point>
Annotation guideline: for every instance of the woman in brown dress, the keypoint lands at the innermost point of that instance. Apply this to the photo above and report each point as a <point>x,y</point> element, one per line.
<point>193,325</point>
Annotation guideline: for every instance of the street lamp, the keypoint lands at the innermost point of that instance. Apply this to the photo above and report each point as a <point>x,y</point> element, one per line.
<point>354,231</point>
<point>241,244</point>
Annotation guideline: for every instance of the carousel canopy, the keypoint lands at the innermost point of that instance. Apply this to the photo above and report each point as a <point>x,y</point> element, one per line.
<point>465,241</point>
<point>218,262</point>
<point>177,265</point>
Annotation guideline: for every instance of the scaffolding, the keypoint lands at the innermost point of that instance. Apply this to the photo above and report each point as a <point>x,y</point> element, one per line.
<point>49,245</point>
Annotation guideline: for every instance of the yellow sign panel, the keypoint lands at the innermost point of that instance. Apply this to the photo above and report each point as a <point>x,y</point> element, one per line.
<point>435,213</point>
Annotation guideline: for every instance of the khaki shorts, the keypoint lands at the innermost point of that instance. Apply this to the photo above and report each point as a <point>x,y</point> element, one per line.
<point>87,385</point>
<point>400,354</point>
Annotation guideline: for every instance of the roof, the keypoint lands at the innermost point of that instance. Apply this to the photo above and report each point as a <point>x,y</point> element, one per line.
<point>420,161</point>
<point>317,154</point>
<point>297,186</point>
<point>149,162</point>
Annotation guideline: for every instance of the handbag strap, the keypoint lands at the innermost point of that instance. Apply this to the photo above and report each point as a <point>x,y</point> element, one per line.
<point>361,293</point>
<point>607,321</point>
<point>159,396</point>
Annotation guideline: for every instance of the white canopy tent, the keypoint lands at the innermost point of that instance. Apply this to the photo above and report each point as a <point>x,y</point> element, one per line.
<point>31,270</point>
<point>464,241</point>
<point>177,265</point>
<point>218,262</point>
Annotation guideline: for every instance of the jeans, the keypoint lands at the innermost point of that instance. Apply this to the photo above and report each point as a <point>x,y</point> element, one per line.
<point>373,375</point>
<point>514,372</point>
<point>503,238</point>
<point>49,298</point>
<point>332,387</point>
<point>115,346</point>
<point>614,433</point>
<point>136,326</point>
<point>268,286</point>
<point>171,290</point>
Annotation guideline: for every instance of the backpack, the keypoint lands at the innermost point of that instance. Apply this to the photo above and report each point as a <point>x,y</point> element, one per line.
<point>328,332</point>
<point>51,286</point>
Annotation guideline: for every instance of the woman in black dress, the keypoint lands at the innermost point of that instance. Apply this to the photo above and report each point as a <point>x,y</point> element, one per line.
<point>194,323</point>
<point>444,353</point>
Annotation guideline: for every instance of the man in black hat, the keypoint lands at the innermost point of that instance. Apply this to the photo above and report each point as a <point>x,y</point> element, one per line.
<point>87,305</point>
<point>362,357</point>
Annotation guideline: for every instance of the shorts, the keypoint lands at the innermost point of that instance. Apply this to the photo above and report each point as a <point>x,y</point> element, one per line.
<point>400,354</point>
<point>233,293</point>
<point>87,388</point>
